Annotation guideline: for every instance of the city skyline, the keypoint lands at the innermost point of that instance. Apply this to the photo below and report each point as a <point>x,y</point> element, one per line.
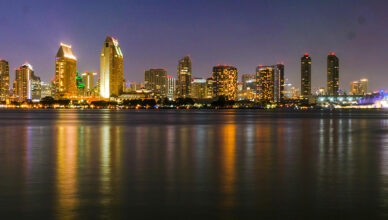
<point>354,44</point>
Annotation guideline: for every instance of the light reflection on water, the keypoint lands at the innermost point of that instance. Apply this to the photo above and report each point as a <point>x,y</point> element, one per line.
<point>112,164</point>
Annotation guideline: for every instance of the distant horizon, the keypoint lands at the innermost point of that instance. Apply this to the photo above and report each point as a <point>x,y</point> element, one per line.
<point>155,34</point>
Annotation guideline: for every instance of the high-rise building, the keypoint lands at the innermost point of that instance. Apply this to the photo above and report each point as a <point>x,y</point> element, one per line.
<point>270,83</point>
<point>36,89</point>
<point>225,82</point>
<point>4,79</point>
<point>198,88</point>
<point>22,84</point>
<point>209,88</point>
<point>45,89</point>
<point>65,73</point>
<point>278,83</point>
<point>88,81</point>
<point>360,87</point>
<point>332,75</point>
<point>171,85</point>
<point>306,75</point>
<point>111,69</point>
<point>184,77</point>
<point>156,80</point>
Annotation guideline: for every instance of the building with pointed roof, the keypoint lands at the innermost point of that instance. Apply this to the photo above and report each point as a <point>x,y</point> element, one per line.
<point>65,73</point>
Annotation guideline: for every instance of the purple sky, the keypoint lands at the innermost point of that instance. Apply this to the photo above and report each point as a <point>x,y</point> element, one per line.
<point>244,33</point>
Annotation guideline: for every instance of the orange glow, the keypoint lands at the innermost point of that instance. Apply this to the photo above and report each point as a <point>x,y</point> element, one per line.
<point>229,169</point>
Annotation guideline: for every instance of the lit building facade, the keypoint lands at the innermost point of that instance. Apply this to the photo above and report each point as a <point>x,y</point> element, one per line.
<point>156,80</point>
<point>46,89</point>
<point>65,73</point>
<point>305,75</point>
<point>171,87</point>
<point>248,82</point>
<point>360,87</point>
<point>4,79</point>
<point>225,82</point>
<point>36,89</point>
<point>209,88</point>
<point>184,73</point>
<point>198,88</point>
<point>88,82</point>
<point>111,69</point>
<point>270,83</point>
<point>332,75</point>
<point>22,84</point>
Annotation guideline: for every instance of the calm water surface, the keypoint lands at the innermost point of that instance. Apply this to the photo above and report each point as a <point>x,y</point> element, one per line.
<point>193,164</point>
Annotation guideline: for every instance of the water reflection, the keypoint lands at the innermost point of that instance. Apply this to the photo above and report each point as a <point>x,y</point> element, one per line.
<point>88,165</point>
<point>66,182</point>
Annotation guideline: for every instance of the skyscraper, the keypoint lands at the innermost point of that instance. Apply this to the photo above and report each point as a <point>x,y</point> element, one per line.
<point>65,73</point>
<point>88,81</point>
<point>22,84</point>
<point>265,84</point>
<point>332,75</point>
<point>209,88</point>
<point>36,87</point>
<point>198,88</point>
<point>111,69</point>
<point>306,75</point>
<point>225,82</point>
<point>4,79</point>
<point>278,83</point>
<point>156,80</point>
<point>270,83</point>
<point>184,77</point>
<point>171,82</point>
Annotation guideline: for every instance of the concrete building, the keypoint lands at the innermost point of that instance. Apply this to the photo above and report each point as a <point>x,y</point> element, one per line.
<point>111,69</point>
<point>225,81</point>
<point>65,73</point>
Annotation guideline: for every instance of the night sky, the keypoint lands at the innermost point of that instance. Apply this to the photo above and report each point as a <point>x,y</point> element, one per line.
<point>243,33</point>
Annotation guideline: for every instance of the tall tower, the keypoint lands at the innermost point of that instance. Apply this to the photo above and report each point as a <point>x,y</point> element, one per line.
<point>225,82</point>
<point>23,80</point>
<point>111,69</point>
<point>4,79</point>
<point>184,77</point>
<point>305,75</point>
<point>332,74</point>
<point>171,85</point>
<point>65,73</point>
<point>278,83</point>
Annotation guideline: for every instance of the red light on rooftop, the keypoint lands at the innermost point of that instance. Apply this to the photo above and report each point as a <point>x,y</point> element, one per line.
<point>282,63</point>
<point>169,77</point>
<point>332,53</point>
<point>306,54</point>
<point>218,64</point>
<point>260,66</point>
